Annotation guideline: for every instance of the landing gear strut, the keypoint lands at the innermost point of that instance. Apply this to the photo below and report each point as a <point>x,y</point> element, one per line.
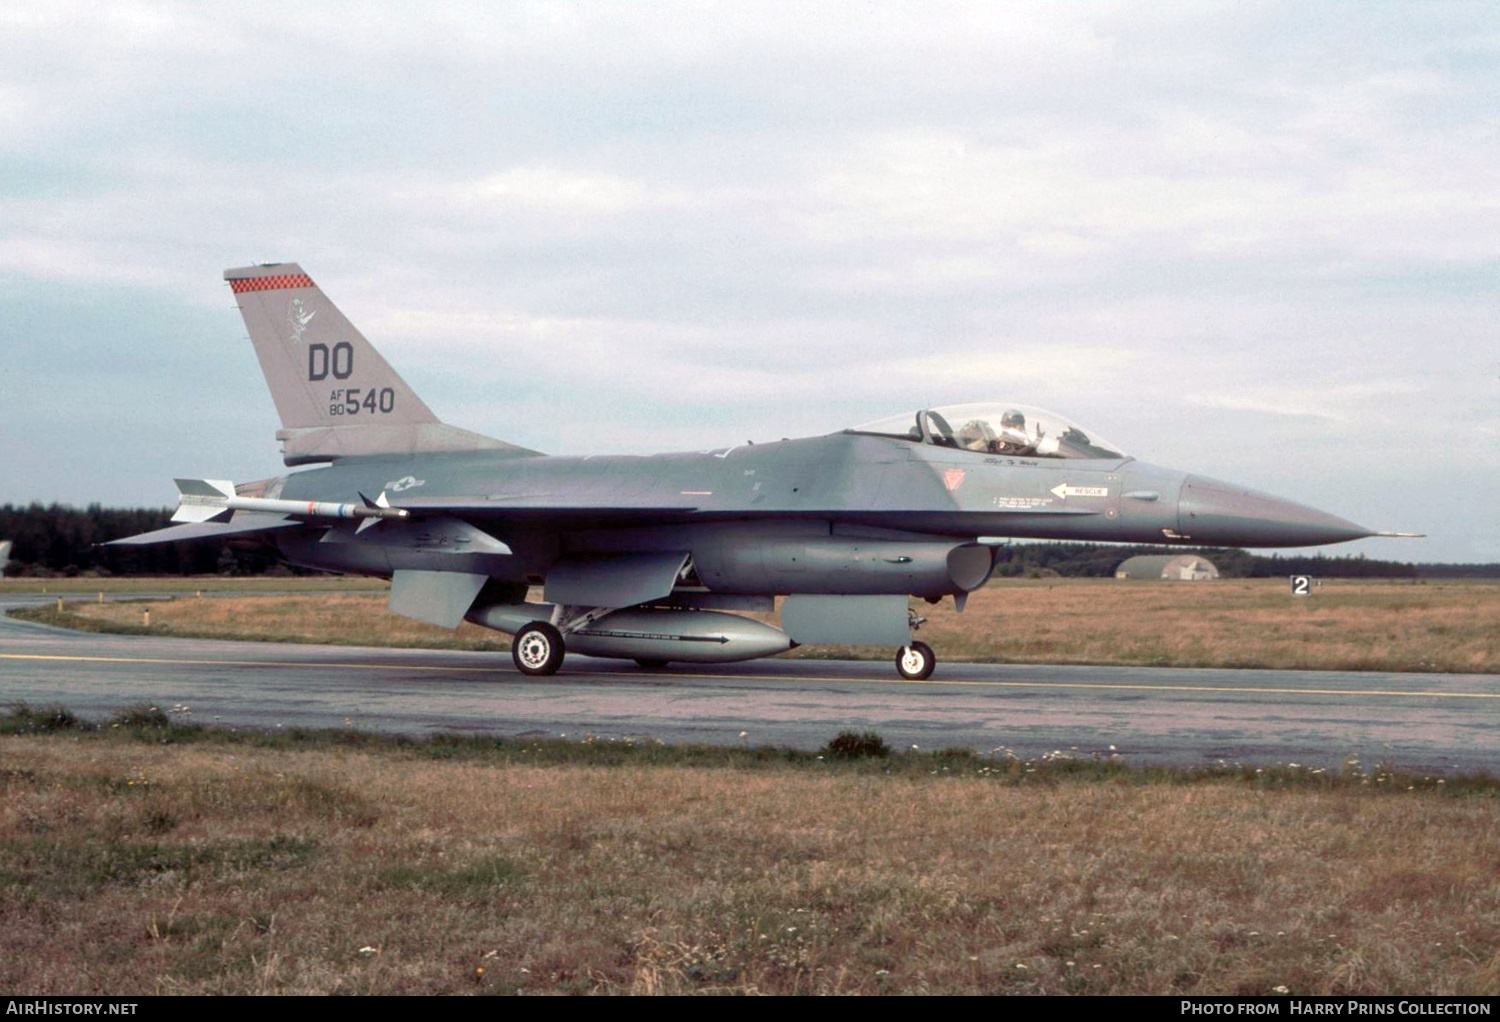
<point>916,661</point>
<point>537,649</point>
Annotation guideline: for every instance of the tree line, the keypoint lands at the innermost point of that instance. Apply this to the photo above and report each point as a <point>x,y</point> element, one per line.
<point>56,539</point>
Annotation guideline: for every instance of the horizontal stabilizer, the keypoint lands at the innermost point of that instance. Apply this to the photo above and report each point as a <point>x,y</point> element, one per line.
<point>242,524</point>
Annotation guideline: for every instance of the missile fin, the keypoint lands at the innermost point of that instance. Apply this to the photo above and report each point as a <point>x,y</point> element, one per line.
<point>203,500</point>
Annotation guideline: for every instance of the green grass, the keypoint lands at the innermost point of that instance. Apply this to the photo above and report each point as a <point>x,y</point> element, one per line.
<point>141,856</point>
<point>862,752</point>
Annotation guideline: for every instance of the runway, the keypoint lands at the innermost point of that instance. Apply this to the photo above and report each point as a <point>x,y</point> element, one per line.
<point>1181,717</point>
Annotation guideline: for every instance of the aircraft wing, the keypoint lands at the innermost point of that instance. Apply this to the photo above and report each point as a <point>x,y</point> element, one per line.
<point>550,503</point>
<point>557,511</point>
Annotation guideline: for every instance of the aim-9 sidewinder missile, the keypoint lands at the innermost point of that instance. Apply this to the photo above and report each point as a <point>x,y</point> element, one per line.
<point>214,500</point>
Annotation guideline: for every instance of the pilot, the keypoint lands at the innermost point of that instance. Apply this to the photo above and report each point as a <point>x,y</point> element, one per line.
<point>1012,438</point>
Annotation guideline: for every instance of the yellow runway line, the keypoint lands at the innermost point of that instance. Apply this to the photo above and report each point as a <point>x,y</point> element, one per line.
<point>1061,685</point>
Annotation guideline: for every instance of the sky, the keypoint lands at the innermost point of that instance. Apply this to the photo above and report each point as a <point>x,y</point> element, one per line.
<point>1258,240</point>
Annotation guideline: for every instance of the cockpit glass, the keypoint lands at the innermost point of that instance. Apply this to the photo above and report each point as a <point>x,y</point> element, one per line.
<point>1019,430</point>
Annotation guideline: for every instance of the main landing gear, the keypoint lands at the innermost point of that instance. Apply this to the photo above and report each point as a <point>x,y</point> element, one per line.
<point>537,649</point>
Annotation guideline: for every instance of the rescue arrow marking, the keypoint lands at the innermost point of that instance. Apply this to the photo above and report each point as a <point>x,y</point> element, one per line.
<point>1064,491</point>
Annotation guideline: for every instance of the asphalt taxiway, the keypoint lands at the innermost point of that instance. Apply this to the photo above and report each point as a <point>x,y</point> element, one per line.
<point>1177,716</point>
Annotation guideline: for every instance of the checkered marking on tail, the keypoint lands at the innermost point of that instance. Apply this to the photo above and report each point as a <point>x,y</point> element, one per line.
<point>278,282</point>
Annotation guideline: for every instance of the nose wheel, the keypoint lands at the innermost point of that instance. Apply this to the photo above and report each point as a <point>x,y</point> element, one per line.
<point>916,661</point>
<point>537,649</point>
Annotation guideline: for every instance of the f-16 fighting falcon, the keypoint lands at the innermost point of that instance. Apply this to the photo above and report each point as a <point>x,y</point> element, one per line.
<point>659,559</point>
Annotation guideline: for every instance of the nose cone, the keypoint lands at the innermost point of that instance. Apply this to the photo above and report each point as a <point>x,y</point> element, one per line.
<point>1222,514</point>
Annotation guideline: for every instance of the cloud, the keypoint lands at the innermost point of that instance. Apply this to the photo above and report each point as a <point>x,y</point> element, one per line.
<point>1337,403</point>
<point>1193,226</point>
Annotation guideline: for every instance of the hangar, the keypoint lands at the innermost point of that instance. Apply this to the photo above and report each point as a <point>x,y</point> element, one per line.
<point>1177,567</point>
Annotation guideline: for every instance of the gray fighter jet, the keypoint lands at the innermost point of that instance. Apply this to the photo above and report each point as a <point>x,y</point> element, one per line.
<point>660,558</point>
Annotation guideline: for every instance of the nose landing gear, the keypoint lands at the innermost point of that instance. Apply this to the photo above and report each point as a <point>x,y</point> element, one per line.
<point>916,661</point>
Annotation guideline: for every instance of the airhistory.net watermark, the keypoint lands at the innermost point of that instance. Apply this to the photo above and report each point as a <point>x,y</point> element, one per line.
<point>42,1006</point>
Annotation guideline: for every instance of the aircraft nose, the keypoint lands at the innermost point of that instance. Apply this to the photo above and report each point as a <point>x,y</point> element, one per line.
<point>1222,514</point>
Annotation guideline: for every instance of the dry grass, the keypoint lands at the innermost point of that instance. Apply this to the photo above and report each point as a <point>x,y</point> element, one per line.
<point>355,619</point>
<point>1388,626</point>
<point>218,868</point>
<point>1356,626</point>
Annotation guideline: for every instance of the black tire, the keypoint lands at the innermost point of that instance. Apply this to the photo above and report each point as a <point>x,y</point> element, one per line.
<point>650,663</point>
<point>537,649</point>
<point>916,661</point>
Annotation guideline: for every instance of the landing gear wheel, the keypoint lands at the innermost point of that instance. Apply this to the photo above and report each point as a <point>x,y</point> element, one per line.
<point>916,661</point>
<point>537,649</point>
<point>650,663</point>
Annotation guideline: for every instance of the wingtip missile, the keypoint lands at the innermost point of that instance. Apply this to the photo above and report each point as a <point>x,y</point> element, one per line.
<point>214,500</point>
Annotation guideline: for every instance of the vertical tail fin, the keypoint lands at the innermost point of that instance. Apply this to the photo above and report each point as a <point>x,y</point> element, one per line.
<point>334,392</point>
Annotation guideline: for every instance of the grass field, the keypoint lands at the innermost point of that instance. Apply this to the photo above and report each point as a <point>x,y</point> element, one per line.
<point>150,858</point>
<point>1374,626</point>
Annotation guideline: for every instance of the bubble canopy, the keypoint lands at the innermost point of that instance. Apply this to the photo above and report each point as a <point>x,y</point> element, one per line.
<point>1017,430</point>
